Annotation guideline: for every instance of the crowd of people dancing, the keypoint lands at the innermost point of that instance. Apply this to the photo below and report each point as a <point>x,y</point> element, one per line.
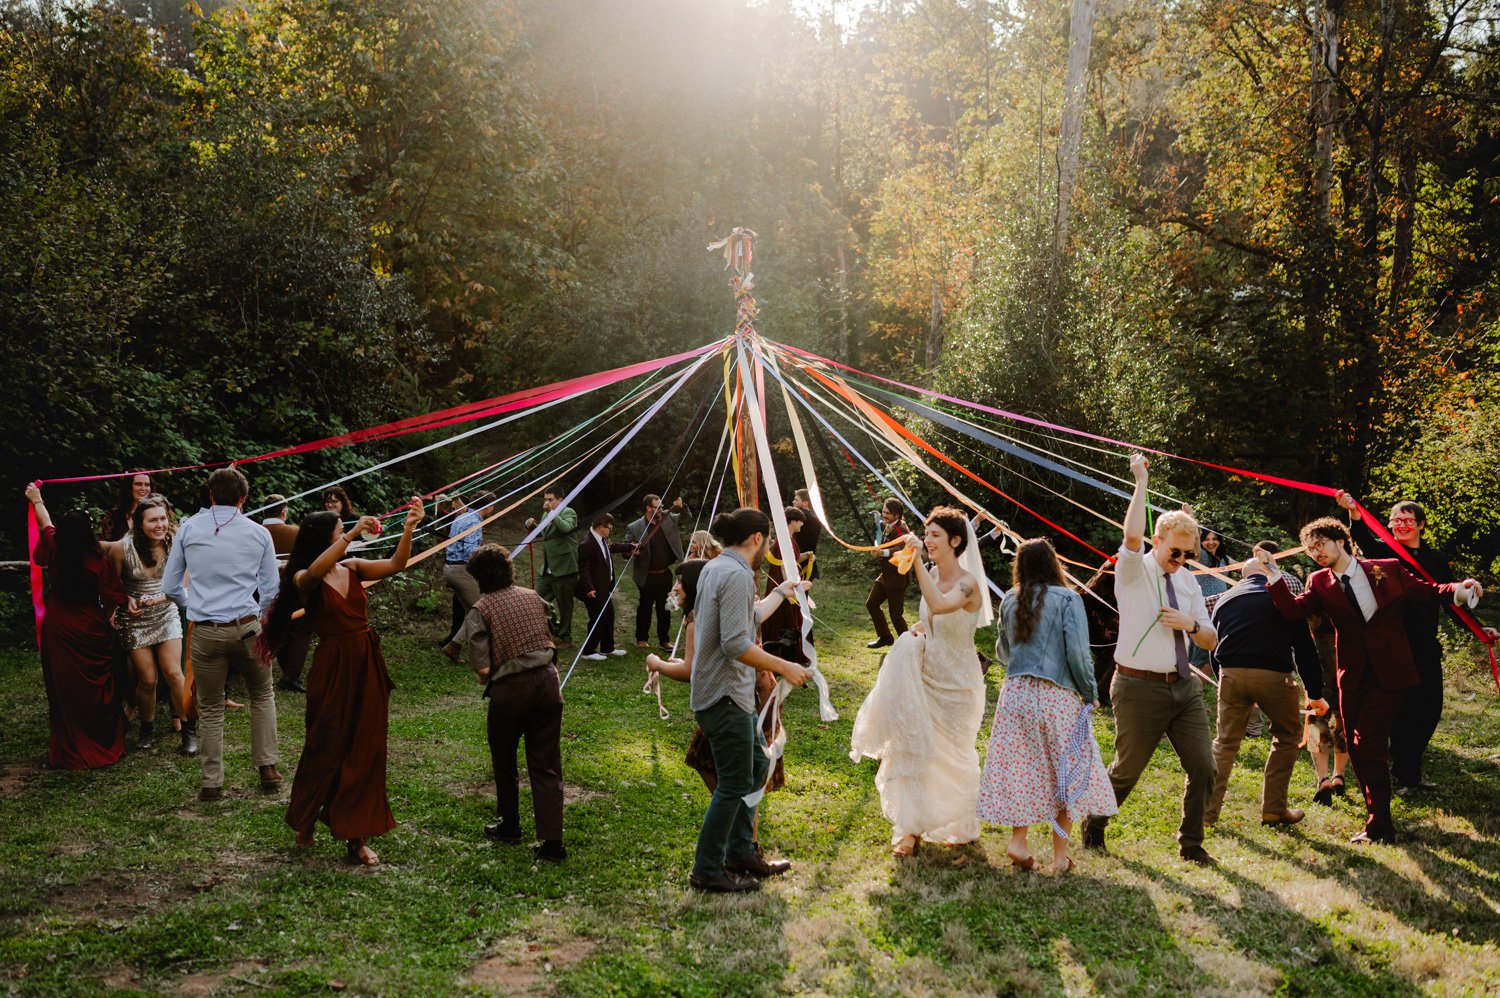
<point>153,608</point>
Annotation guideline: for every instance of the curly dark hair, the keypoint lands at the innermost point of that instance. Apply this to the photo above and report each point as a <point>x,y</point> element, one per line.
<point>953,523</point>
<point>491,567</point>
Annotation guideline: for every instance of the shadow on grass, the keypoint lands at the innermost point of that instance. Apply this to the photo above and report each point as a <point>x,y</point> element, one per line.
<point>1308,957</point>
<point>1012,932</point>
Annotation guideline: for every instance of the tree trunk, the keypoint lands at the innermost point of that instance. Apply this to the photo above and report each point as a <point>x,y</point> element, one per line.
<point>935,330</point>
<point>1405,225</point>
<point>1075,91</point>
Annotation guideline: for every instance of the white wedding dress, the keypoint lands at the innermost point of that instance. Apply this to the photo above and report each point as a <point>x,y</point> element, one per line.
<point>922,722</point>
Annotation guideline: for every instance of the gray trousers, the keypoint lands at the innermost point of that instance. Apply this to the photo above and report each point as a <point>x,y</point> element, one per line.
<point>1145,710</point>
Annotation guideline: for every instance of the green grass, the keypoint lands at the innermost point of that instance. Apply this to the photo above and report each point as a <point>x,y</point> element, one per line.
<point>120,880</point>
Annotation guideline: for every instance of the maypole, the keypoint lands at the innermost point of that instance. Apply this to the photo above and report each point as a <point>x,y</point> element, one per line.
<point>738,248</point>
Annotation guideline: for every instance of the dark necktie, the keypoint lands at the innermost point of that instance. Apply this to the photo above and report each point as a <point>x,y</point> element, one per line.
<point>1349,593</point>
<point>1179,639</point>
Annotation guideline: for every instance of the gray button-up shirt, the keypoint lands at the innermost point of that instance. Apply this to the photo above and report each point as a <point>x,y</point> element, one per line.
<point>723,630</point>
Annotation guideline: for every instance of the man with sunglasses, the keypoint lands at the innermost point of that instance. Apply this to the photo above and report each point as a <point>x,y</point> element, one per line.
<point>1422,707</point>
<point>1155,691</point>
<point>1365,601</point>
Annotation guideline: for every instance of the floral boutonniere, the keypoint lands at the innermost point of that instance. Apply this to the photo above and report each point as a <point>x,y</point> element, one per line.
<point>1377,574</point>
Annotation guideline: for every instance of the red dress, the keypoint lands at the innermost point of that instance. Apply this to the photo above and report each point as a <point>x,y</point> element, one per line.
<point>83,706</point>
<point>341,774</point>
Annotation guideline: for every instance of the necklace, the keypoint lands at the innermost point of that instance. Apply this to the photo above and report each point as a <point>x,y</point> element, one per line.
<point>220,526</point>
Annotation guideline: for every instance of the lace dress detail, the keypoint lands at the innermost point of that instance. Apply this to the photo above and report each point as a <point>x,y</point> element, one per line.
<point>156,623</point>
<point>921,720</point>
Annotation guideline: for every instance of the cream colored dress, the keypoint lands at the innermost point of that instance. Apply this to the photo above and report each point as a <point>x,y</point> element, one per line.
<point>922,721</point>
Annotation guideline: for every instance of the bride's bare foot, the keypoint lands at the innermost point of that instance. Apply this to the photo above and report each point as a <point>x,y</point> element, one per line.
<point>233,704</point>
<point>908,846</point>
<point>361,853</point>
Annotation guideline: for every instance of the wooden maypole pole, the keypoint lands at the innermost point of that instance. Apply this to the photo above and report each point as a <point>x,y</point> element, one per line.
<point>738,249</point>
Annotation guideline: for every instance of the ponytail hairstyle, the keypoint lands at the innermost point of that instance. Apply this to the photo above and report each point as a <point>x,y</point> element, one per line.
<point>1036,567</point>
<point>314,536</point>
<point>735,528</point>
<point>953,523</point>
<point>138,538</point>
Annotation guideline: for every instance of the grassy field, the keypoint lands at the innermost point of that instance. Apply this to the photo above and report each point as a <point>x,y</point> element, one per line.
<point>120,880</point>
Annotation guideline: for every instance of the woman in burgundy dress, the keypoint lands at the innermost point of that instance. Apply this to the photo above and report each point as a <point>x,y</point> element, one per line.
<point>78,641</point>
<point>341,775</point>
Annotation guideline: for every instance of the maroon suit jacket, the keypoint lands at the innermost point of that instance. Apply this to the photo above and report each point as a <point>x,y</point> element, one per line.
<point>1379,643</point>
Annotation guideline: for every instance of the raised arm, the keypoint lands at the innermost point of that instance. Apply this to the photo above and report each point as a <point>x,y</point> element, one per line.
<point>963,596</point>
<point>34,496</point>
<point>369,571</point>
<point>1135,515</point>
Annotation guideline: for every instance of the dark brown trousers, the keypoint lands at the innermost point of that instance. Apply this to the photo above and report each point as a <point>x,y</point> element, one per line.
<point>528,705</point>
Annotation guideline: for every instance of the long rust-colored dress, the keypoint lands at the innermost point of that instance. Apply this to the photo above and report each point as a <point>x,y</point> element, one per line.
<point>78,646</point>
<point>341,774</point>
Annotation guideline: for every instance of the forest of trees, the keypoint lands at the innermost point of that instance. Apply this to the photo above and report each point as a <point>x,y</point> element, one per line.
<point>1259,232</point>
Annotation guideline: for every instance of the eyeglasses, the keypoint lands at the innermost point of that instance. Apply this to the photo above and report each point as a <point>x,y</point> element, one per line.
<point>1403,521</point>
<point>1177,554</point>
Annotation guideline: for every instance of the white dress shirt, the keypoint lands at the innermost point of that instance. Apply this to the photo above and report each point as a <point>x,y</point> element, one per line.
<point>1140,591</point>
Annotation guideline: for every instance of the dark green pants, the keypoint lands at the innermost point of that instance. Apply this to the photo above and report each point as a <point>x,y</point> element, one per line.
<point>738,746</point>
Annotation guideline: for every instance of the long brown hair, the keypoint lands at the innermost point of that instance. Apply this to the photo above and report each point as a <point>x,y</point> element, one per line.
<point>1036,567</point>
<point>138,538</point>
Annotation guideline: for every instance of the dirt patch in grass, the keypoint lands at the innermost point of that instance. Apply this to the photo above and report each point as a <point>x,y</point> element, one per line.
<point>214,982</point>
<point>117,898</point>
<point>519,966</point>
<point>571,794</point>
<point>15,777</point>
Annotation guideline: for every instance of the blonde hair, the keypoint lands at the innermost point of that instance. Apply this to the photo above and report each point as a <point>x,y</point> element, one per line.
<point>1177,522</point>
<point>702,545</point>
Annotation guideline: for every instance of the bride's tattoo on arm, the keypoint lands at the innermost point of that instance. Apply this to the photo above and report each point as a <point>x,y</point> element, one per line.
<point>966,589</point>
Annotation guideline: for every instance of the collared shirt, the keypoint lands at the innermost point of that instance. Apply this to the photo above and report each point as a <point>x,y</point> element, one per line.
<point>1140,591</point>
<point>1254,635</point>
<point>1364,593</point>
<point>227,559</point>
<point>461,549</point>
<point>723,630</point>
<point>603,544</point>
<point>271,521</point>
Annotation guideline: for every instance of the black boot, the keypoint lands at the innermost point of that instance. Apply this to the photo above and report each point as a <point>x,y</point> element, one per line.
<point>147,730</point>
<point>189,744</point>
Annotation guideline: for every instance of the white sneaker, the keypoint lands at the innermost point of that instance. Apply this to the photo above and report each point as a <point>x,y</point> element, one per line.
<point>596,657</point>
<point>618,652</point>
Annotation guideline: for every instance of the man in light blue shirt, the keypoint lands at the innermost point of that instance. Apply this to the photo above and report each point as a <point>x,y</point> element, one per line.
<point>230,566</point>
<point>467,533</point>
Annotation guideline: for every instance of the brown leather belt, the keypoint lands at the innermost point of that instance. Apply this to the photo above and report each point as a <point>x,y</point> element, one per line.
<point>1159,677</point>
<point>228,623</point>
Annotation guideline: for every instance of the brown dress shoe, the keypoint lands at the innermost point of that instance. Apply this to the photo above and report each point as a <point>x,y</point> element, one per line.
<point>724,883</point>
<point>756,866</point>
<point>1197,854</point>
<point>270,779</point>
<point>1288,817</point>
<point>210,793</point>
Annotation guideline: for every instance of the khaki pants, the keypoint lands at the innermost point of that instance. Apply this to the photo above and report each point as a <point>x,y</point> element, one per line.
<point>214,649</point>
<point>461,582</point>
<point>1240,692</point>
<point>1145,710</point>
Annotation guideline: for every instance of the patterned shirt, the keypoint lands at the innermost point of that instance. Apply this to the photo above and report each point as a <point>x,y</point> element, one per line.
<point>460,550</point>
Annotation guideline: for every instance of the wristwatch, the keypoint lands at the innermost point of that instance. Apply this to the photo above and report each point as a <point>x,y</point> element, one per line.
<point>1196,625</point>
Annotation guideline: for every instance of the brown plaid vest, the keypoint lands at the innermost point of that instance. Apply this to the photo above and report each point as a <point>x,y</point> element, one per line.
<point>517,621</point>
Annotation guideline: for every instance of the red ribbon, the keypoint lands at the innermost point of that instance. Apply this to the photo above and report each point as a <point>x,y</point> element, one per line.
<point>1375,526</point>
<point>33,538</point>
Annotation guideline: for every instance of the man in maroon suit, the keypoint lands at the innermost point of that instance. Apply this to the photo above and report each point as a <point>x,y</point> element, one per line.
<point>1364,600</point>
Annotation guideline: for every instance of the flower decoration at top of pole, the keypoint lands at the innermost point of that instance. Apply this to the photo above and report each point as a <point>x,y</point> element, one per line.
<point>739,251</point>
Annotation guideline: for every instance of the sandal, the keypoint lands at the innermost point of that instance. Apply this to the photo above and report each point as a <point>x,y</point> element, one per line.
<point>1028,864</point>
<point>1338,785</point>
<point>908,846</point>
<point>360,853</point>
<point>1058,870</point>
<point>1324,795</point>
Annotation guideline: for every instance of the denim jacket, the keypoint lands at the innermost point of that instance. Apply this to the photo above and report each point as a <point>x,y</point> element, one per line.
<point>1059,647</point>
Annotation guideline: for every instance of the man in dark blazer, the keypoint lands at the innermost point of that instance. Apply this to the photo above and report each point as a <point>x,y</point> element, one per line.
<point>890,584</point>
<point>596,586</point>
<point>1365,601</point>
<point>657,537</point>
<point>808,535</point>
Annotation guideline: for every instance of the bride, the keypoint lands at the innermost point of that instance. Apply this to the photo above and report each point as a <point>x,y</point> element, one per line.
<point>922,718</point>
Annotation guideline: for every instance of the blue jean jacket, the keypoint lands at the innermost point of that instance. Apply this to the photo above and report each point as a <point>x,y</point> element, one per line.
<point>1059,647</point>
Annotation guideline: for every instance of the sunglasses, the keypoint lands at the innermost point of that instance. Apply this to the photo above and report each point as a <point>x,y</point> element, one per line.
<point>1177,554</point>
